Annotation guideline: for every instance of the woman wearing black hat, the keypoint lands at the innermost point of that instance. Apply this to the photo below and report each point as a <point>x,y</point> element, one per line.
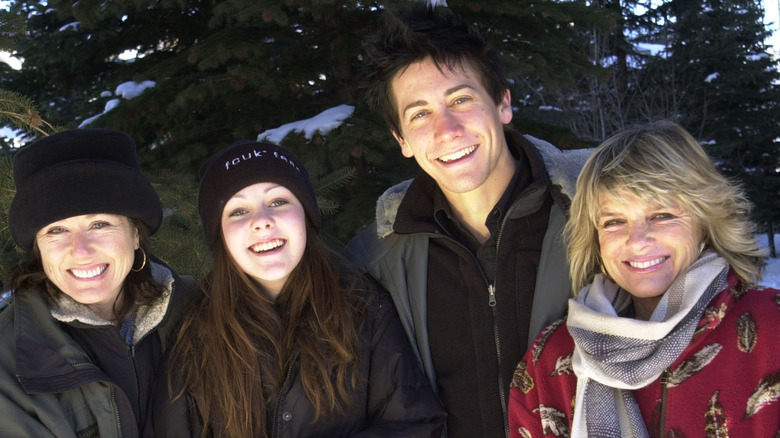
<point>288,341</point>
<point>92,312</point>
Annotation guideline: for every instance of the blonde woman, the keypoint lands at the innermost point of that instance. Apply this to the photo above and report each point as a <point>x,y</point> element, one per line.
<point>669,334</point>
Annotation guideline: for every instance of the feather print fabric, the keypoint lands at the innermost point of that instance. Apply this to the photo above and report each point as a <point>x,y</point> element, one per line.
<point>725,384</point>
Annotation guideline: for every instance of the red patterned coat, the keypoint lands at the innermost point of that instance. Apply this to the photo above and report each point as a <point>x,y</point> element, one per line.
<point>725,384</point>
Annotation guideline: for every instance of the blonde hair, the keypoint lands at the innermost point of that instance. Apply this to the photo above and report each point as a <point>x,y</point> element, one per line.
<point>662,163</point>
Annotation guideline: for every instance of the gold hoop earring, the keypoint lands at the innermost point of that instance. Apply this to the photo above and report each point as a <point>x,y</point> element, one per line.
<point>142,264</point>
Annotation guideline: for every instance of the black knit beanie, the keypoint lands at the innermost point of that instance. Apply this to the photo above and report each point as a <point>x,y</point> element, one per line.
<point>243,164</point>
<point>77,172</point>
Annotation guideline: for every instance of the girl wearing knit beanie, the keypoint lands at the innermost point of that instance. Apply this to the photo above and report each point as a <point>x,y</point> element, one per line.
<point>288,340</point>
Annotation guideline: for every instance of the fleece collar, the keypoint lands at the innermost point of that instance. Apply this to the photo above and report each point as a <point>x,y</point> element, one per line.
<point>147,317</point>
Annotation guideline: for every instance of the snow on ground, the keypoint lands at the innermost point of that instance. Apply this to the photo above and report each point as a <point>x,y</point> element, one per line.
<point>771,275</point>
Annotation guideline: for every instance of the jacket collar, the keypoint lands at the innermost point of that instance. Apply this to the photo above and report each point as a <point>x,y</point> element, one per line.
<point>147,317</point>
<point>549,165</point>
<point>48,359</point>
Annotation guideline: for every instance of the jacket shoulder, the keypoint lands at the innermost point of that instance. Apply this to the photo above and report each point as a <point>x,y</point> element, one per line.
<point>369,247</point>
<point>563,166</point>
<point>761,301</point>
<point>375,241</point>
<point>387,207</point>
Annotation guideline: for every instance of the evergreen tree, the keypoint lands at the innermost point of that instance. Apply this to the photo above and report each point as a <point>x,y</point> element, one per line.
<point>222,70</point>
<point>730,84</point>
<point>16,110</point>
<point>629,85</point>
<point>231,69</point>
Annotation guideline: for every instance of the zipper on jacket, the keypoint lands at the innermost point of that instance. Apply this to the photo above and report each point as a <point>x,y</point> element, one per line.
<point>117,417</point>
<point>134,365</point>
<point>501,392</point>
<point>492,302</point>
<point>664,389</point>
<point>282,390</point>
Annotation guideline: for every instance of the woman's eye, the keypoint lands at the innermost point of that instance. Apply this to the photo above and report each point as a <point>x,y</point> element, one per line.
<point>610,223</point>
<point>278,202</point>
<point>237,212</point>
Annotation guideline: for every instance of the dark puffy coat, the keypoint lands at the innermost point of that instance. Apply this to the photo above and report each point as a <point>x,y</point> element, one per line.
<point>51,386</point>
<point>393,398</point>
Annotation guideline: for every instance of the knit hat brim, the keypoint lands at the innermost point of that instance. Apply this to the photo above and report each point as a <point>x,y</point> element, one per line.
<point>245,163</point>
<point>79,188</point>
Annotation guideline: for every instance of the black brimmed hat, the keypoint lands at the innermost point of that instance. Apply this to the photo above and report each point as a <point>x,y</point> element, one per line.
<point>77,172</point>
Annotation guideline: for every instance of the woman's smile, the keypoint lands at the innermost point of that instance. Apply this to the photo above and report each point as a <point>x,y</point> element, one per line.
<point>645,245</point>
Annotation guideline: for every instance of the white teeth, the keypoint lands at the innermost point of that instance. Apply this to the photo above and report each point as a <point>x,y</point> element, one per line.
<point>647,264</point>
<point>89,273</point>
<point>458,155</point>
<point>260,247</point>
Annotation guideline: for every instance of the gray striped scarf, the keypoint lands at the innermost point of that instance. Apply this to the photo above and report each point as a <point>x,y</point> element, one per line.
<point>614,355</point>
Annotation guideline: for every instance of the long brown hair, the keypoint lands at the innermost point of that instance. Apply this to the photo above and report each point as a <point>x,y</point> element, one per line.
<point>139,287</point>
<point>236,344</point>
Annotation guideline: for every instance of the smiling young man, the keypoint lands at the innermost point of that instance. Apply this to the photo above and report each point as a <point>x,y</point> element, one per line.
<point>471,248</point>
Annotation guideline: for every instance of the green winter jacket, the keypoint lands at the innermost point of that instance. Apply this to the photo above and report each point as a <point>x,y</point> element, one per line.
<point>49,385</point>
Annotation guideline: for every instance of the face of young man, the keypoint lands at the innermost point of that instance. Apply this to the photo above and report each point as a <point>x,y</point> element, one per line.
<point>453,128</point>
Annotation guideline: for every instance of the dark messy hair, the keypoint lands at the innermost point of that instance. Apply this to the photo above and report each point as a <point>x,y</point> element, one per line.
<point>420,32</point>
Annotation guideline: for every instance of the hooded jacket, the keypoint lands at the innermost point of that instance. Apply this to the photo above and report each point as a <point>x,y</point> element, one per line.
<point>397,254</point>
<point>51,386</point>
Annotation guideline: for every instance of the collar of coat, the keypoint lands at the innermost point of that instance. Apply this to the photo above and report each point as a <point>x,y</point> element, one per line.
<point>563,167</point>
<point>146,318</point>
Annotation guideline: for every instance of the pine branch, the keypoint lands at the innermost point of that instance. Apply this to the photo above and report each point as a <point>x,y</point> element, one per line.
<point>179,242</point>
<point>335,180</point>
<point>328,184</point>
<point>19,110</point>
